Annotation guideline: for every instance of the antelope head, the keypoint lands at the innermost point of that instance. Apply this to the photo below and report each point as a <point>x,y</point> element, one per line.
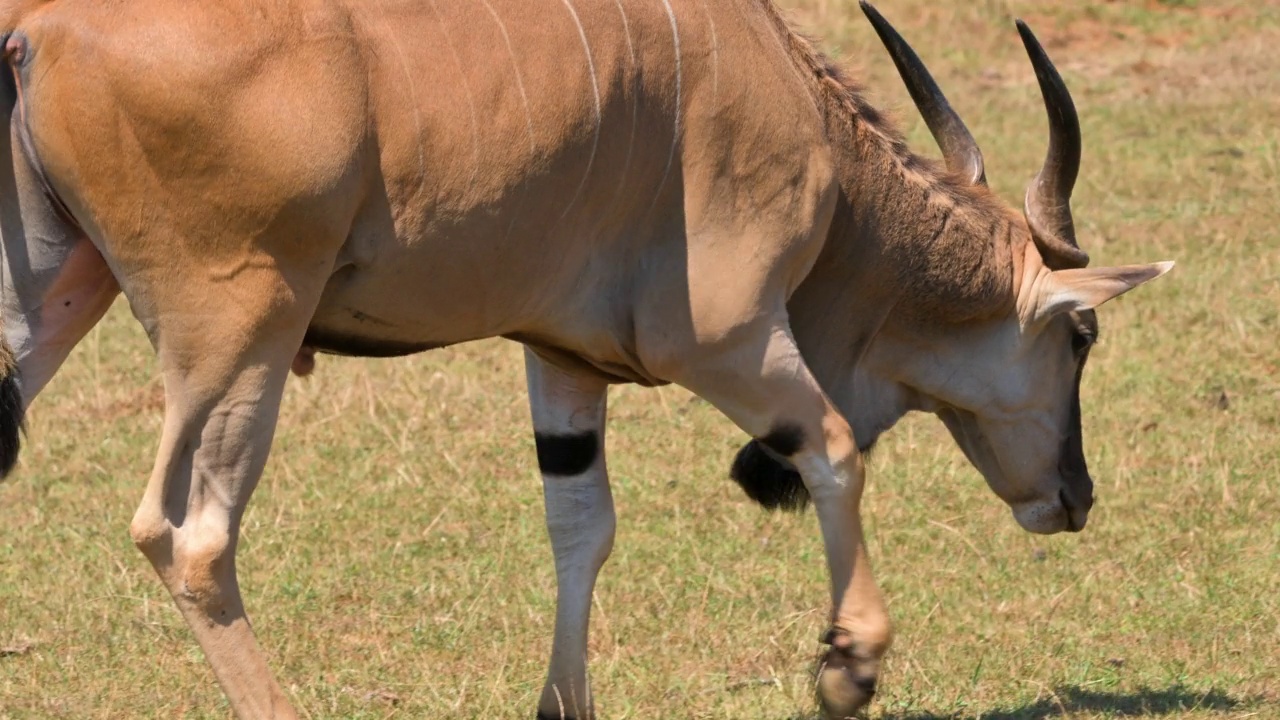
<point>1008,387</point>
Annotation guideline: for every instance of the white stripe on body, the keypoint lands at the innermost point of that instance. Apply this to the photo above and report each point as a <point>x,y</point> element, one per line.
<point>466,88</point>
<point>515,69</point>
<point>715,52</point>
<point>528,114</point>
<point>675,133</point>
<point>635,110</point>
<point>595,88</point>
<point>413,98</point>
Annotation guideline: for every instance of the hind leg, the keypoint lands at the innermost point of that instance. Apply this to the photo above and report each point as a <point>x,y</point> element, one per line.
<point>225,342</point>
<point>54,308</point>
<point>568,421</point>
<point>219,417</point>
<point>55,283</point>
<point>759,380</point>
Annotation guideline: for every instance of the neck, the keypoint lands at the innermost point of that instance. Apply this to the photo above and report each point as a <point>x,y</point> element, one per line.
<point>910,249</point>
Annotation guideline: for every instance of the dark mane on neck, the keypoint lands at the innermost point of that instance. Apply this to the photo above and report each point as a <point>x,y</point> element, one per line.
<point>958,266</point>
<point>845,102</point>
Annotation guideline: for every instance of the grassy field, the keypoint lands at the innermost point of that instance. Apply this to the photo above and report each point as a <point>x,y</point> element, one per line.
<point>394,559</point>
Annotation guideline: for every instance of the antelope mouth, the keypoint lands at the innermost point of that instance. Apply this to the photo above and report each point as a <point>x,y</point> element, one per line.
<point>1051,515</point>
<point>1077,513</point>
<point>1067,510</point>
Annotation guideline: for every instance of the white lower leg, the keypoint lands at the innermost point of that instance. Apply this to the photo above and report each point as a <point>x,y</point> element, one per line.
<point>836,490</point>
<point>581,522</point>
<point>568,419</point>
<point>860,632</point>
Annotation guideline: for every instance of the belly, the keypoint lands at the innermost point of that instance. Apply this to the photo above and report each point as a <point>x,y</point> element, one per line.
<point>572,308</point>
<point>357,344</point>
<point>406,305</point>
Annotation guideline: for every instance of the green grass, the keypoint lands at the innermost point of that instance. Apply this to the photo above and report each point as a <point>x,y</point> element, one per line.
<point>394,559</point>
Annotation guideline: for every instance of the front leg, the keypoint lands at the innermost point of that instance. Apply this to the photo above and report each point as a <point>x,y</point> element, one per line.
<point>761,382</point>
<point>568,421</point>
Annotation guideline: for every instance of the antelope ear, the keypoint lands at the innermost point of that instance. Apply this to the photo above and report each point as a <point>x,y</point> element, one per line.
<point>1087,288</point>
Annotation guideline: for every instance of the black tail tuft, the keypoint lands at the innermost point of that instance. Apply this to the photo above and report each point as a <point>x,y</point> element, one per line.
<point>767,481</point>
<point>10,411</point>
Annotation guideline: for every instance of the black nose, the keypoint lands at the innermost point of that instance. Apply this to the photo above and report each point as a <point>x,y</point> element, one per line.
<point>1080,489</point>
<point>1076,504</point>
<point>1077,485</point>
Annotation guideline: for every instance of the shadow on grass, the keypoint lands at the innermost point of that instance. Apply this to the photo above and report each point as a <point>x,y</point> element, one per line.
<point>1146,702</point>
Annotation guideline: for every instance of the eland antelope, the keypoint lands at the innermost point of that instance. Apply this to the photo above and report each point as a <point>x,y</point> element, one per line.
<point>645,191</point>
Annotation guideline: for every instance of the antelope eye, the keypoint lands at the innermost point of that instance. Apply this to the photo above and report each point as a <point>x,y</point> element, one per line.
<point>1080,341</point>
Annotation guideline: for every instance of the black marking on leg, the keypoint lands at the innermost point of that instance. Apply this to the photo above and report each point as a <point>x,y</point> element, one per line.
<point>557,716</point>
<point>786,440</point>
<point>566,455</point>
<point>765,479</point>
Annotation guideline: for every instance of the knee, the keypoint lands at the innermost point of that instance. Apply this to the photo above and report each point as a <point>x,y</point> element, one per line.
<point>203,561</point>
<point>196,564</point>
<point>152,534</point>
<point>828,460</point>
<point>851,471</point>
<point>843,454</point>
<point>834,442</point>
<point>841,446</point>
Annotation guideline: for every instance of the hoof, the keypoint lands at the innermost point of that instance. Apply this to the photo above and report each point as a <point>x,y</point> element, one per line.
<point>846,683</point>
